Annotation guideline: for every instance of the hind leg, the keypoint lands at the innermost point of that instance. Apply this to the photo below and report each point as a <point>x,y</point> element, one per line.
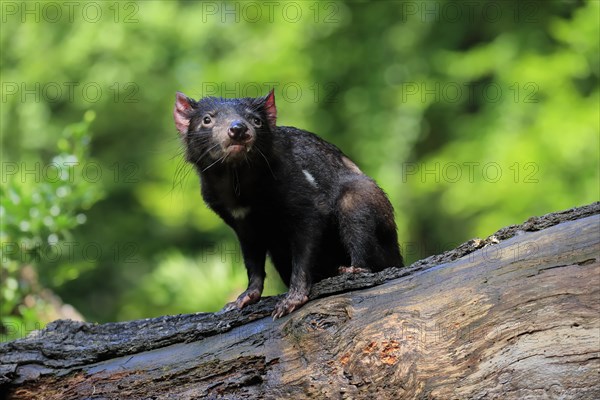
<point>367,227</point>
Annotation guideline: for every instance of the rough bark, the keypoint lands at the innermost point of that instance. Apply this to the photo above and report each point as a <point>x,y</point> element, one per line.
<point>516,315</point>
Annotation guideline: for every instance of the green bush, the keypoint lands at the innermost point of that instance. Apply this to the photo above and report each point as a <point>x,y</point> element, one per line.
<point>40,204</point>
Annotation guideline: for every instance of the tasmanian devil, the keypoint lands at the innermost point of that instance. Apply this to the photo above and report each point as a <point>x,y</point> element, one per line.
<point>287,193</point>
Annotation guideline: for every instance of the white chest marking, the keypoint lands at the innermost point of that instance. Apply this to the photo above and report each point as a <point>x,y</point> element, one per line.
<point>310,178</point>
<point>239,213</point>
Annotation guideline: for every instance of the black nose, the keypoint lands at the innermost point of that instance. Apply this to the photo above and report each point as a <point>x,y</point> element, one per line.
<point>238,130</point>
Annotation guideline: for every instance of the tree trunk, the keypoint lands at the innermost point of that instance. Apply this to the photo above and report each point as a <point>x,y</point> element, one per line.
<point>516,315</point>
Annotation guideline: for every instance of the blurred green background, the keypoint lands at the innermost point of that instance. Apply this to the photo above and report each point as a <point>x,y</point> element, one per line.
<point>471,115</point>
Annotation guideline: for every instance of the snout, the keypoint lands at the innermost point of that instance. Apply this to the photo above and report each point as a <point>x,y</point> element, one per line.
<point>238,131</point>
<point>240,140</point>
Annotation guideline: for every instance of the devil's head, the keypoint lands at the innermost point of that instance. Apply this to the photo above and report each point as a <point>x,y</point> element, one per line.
<point>228,130</point>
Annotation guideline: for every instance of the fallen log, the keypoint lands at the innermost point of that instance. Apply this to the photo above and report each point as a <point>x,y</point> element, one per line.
<point>516,315</point>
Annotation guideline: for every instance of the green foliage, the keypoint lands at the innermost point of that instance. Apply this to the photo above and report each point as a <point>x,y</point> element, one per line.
<point>532,145</point>
<point>471,115</point>
<point>40,204</point>
<point>215,276</point>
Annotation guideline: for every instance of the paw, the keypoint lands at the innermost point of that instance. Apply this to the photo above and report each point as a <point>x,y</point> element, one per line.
<point>352,270</point>
<point>248,297</point>
<point>292,301</point>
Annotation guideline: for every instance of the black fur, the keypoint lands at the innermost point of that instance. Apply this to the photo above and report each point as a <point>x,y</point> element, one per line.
<point>286,193</point>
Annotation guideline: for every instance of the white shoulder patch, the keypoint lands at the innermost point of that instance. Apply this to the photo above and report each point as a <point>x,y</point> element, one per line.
<point>240,212</point>
<point>309,178</point>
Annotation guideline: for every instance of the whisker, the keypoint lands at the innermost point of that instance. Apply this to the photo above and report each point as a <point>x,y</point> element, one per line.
<point>205,153</point>
<point>236,182</point>
<point>267,161</point>
<point>220,159</point>
<point>177,155</point>
<point>181,173</point>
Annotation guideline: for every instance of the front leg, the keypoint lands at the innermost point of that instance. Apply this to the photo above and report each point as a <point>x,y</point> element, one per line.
<point>304,255</point>
<point>254,253</point>
<point>295,298</point>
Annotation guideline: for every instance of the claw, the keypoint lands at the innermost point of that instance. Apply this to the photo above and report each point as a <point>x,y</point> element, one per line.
<point>248,297</point>
<point>228,307</point>
<point>291,302</point>
<point>352,270</point>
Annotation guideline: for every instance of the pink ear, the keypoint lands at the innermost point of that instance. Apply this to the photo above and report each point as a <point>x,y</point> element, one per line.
<point>271,109</point>
<point>182,112</point>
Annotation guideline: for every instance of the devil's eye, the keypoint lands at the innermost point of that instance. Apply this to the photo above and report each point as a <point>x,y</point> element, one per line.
<point>206,120</point>
<point>257,122</point>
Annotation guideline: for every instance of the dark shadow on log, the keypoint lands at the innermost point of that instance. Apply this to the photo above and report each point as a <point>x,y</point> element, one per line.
<point>510,316</point>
